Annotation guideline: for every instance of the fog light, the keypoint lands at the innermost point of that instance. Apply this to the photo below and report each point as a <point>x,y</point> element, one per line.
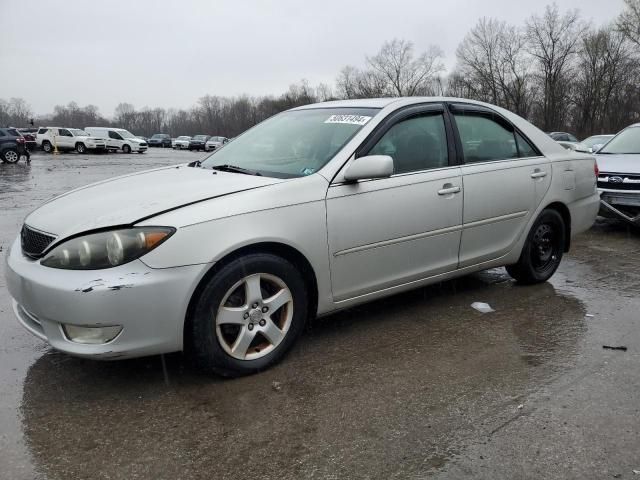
<point>91,335</point>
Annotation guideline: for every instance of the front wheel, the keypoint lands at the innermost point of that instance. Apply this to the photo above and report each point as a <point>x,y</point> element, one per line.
<point>126,149</point>
<point>542,251</point>
<point>10,156</point>
<point>247,316</point>
<point>80,148</point>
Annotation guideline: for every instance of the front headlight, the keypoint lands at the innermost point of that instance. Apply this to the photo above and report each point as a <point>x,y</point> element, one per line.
<point>106,249</point>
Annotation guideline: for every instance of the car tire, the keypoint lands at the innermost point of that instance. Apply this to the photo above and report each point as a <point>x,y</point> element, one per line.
<point>81,148</point>
<point>47,147</point>
<point>126,148</point>
<point>542,251</point>
<point>243,336</point>
<point>10,155</point>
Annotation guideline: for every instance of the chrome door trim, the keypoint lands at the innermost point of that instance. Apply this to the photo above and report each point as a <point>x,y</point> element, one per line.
<point>393,241</point>
<point>490,220</point>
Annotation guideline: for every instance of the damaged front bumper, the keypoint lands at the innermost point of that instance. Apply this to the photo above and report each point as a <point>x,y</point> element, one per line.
<point>622,205</point>
<point>148,304</point>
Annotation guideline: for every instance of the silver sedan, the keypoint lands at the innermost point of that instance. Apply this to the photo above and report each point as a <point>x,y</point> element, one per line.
<point>316,209</point>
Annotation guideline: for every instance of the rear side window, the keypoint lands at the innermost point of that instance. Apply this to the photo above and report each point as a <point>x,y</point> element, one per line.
<point>13,132</point>
<point>524,148</point>
<point>418,143</point>
<point>484,139</point>
<point>43,130</point>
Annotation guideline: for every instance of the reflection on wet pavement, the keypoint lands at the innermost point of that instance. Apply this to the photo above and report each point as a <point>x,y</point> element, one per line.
<point>414,385</point>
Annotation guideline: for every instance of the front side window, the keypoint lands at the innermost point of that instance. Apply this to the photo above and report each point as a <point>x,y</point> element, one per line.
<point>483,139</point>
<point>626,142</point>
<point>295,143</point>
<point>114,135</point>
<point>418,143</point>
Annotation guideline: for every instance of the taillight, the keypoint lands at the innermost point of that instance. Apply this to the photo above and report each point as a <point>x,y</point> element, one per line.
<point>20,140</point>
<point>596,170</point>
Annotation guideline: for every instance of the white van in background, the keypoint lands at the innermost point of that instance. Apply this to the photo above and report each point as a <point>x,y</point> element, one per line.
<point>119,139</point>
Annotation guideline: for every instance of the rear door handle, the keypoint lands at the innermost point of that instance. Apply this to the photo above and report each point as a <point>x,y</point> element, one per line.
<point>448,190</point>
<point>538,174</point>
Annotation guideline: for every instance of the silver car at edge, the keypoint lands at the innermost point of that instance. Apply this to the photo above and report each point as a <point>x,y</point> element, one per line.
<point>314,210</point>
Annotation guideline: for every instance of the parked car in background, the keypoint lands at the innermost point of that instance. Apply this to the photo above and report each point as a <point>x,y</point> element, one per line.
<point>316,209</point>
<point>594,143</point>
<point>563,137</point>
<point>119,139</point>
<point>29,135</point>
<point>573,146</point>
<point>160,140</point>
<point>198,142</point>
<point>214,143</point>
<point>182,142</point>
<point>12,145</point>
<point>49,138</point>
<point>619,177</point>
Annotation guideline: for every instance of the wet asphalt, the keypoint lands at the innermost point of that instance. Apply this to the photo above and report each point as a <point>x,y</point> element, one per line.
<point>419,385</point>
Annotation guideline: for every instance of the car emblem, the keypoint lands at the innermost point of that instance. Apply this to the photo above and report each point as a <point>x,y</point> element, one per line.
<point>616,180</point>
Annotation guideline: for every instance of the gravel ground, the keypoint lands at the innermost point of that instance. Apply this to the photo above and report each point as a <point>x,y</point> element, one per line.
<point>417,385</point>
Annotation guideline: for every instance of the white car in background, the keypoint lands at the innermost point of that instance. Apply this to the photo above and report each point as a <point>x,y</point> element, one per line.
<point>119,139</point>
<point>52,138</point>
<point>182,142</point>
<point>214,143</point>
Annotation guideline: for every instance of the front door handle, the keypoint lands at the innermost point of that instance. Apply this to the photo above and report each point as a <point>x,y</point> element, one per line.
<point>538,174</point>
<point>448,189</point>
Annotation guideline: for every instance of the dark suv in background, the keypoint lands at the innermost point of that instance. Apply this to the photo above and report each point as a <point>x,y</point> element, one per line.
<point>160,140</point>
<point>12,145</point>
<point>198,142</point>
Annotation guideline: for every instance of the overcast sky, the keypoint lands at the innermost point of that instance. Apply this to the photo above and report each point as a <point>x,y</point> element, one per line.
<point>170,53</point>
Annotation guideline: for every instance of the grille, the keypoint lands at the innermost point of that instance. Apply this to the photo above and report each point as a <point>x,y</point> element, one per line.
<point>629,182</point>
<point>34,242</point>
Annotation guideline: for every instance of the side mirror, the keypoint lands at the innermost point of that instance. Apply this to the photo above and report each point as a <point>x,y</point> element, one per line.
<point>371,166</point>
<point>597,147</point>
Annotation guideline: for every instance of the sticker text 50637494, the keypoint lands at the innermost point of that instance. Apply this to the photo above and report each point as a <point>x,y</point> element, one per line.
<point>351,119</point>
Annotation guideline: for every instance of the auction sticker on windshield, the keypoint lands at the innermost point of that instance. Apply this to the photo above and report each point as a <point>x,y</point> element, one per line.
<point>351,119</point>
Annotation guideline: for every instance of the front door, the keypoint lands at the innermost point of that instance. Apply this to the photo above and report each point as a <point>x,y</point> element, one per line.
<point>115,140</point>
<point>64,139</point>
<point>392,231</point>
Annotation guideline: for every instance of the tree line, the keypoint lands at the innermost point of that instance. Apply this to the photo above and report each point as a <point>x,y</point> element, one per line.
<point>556,70</point>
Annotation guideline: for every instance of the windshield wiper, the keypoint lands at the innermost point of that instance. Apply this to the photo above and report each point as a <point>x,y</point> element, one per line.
<point>235,169</point>
<point>195,163</point>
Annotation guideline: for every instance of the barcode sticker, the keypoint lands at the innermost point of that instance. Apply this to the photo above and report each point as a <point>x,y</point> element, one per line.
<point>350,119</point>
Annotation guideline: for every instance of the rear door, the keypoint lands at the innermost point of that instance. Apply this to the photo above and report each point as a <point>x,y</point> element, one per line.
<point>65,139</point>
<point>392,231</point>
<point>504,178</point>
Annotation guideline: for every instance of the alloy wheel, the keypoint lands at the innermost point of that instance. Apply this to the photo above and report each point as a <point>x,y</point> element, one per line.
<point>11,156</point>
<point>254,316</point>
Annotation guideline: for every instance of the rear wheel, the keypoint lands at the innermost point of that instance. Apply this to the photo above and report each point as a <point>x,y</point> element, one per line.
<point>46,146</point>
<point>542,252</point>
<point>247,316</point>
<point>10,156</point>
<point>126,148</point>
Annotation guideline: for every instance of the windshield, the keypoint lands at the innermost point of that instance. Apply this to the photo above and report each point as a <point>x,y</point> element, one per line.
<point>216,139</point>
<point>200,137</point>
<point>294,143</point>
<point>183,137</point>
<point>596,139</point>
<point>76,132</point>
<point>126,134</point>
<point>627,141</point>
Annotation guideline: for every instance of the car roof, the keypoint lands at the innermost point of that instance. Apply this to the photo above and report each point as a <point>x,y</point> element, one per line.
<point>385,102</point>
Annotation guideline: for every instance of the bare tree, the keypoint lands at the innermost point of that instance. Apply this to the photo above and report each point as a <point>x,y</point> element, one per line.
<point>405,75</point>
<point>553,41</point>
<point>629,21</point>
<point>493,66</point>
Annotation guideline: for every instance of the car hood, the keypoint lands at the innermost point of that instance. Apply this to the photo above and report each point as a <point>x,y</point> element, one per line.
<point>612,163</point>
<point>131,198</point>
